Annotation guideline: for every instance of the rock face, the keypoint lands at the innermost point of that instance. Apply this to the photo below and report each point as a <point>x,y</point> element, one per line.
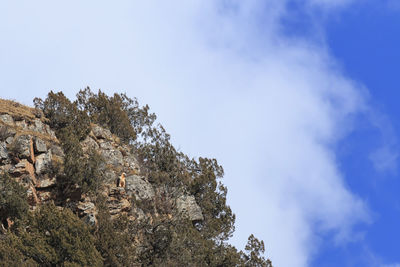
<point>101,133</point>
<point>187,206</point>
<point>3,151</point>
<point>23,147</point>
<point>29,150</point>
<point>7,119</point>
<point>137,187</point>
<point>43,162</point>
<point>40,145</point>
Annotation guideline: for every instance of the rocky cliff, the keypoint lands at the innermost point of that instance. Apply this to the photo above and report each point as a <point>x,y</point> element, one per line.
<point>29,150</point>
<point>96,182</point>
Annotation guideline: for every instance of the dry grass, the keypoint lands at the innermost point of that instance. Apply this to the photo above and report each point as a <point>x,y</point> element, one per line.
<point>22,112</point>
<point>17,110</point>
<point>44,137</point>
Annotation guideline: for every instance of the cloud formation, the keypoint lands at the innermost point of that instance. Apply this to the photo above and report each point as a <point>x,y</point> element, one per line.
<point>227,83</point>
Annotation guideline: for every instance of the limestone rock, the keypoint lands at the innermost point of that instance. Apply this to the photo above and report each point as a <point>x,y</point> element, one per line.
<point>89,144</point>
<point>23,146</point>
<point>3,151</point>
<point>37,126</point>
<point>22,124</point>
<point>49,131</point>
<point>87,210</point>
<point>131,163</point>
<point>90,219</point>
<point>138,214</point>
<point>46,182</point>
<point>43,161</point>
<point>109,176</point>
<point>101,133</point>
<point>6,132</point>
<point>138,187</point>
<point>7,119</point>
<point>22,167</point>
<point>187,206</point>
<point>112,156</point>
<point>9,140</point>
<point>40,145</point>
<point>117,206</point>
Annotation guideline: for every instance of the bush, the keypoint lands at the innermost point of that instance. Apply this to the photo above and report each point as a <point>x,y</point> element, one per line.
<point>164,241</point>
<point>13,199</point>
<point>64,116</point>
<point>57,238</point>
<point>109,112</point>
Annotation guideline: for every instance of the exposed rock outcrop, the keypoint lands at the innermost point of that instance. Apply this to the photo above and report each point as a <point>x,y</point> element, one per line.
<point>137,187</point>
<point>29,150</point>
<point>187,206</point>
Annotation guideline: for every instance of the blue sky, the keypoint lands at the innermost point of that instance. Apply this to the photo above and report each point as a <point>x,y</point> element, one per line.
<point>296,99</point>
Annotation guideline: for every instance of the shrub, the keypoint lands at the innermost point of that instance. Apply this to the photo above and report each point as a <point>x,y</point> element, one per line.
<point>13,199</point>
<point>58,237</point>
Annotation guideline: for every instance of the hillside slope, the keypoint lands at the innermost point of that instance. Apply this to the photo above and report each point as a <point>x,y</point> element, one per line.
<point>63,204</point>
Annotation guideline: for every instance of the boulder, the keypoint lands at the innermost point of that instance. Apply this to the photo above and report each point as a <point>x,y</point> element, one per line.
<point>22,167</point>
<point>89,144</point>
<point>90,219</point>
<point>40,145</point>
<point>187,206</point>
<point>131,163</point>
<point>46,182</point>
<point>3,151</point>
<point>106,145</point>
<point>113,157</point>
<point>116,206</point>
<point>6,132</point>
<point>25,170</point>
<point>22,124</point>
<point>87,210</point>
<point>138,187</point>
<point>23,146</point>
<point>101,133</point>
<point>7,119</point>
<point>109,177</point>
<point>9,140</point>
<point>37,126</point>
<point>49,131</point>
<point>43,162</point>
<point>85,206</point>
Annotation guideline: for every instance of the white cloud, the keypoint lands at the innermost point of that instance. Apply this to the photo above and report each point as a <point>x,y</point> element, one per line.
<point>331,3</point>
<point>226,83</point>
<point>385,157</point>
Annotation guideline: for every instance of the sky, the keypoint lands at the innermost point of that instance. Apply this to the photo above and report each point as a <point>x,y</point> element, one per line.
<point>296,99</point>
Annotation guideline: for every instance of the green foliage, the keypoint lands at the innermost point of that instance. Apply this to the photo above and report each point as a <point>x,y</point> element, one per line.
<point>57,237</point>
<point>113,240</point>
<point>64,116</point>
<point>50,237</point>
<point>13,200</point>
<point>163,240</point>
<point>110,112</point>
<point>79,169</point>
<point>255,250</point>
<point>72,126</point>
<point>211,196</point>
<point>10,255</point>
